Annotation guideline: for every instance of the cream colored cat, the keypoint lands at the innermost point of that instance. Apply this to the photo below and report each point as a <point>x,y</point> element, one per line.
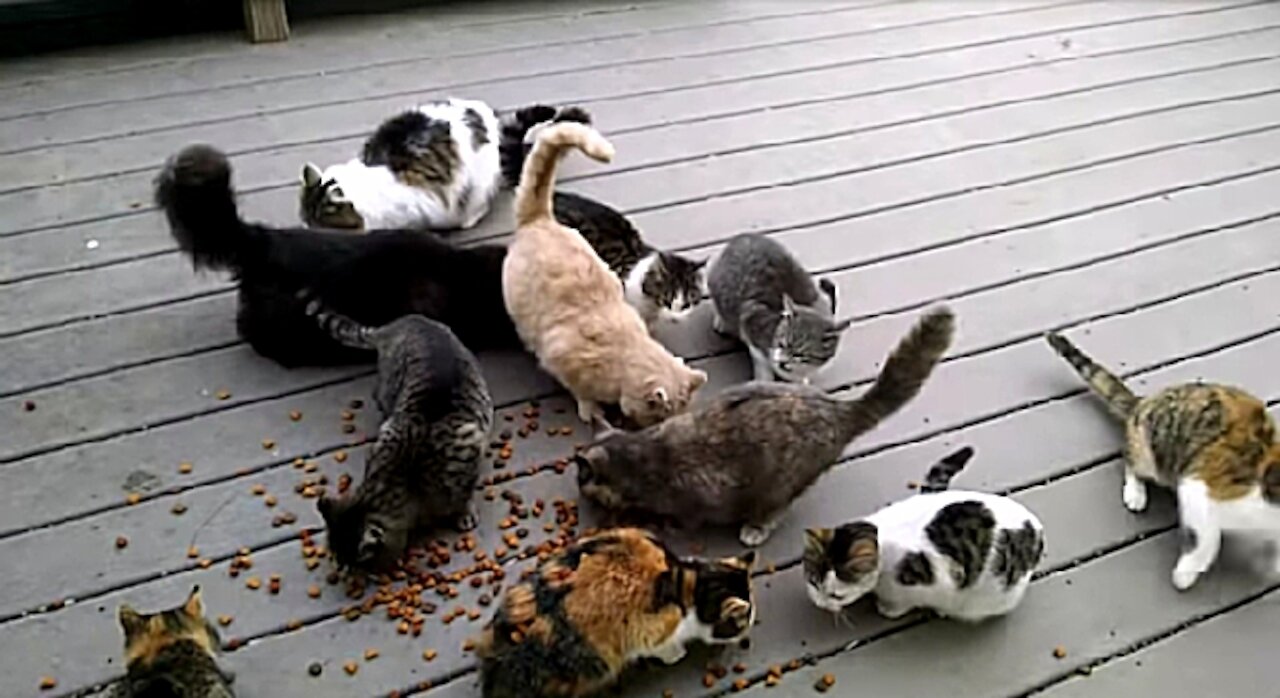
<point>569,308</point>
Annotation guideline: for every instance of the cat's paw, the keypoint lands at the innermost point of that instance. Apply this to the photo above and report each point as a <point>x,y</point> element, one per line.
<point>1185,576</point>
<point>467,521</point>
<point>889,610</point>
<point>671,653</point>
<point>1134,495</point>
<point>753,536</point>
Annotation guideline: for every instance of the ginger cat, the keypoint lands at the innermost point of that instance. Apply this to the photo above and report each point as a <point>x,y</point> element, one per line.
<point>570,309</point>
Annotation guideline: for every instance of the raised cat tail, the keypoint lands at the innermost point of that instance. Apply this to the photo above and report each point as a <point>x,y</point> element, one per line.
<point>905,372</point>
<point>940,475</point>
<point>537,180</point>
<point>513,141</point>
<point>342,328</point>
<point>194,189</point>
<point>1119,399</point>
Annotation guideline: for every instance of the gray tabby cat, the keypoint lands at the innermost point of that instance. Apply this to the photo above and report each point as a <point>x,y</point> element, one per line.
<point>171,653</point>
<point>766,299</point>
<point>745,455</point>
<point>964,555</point>
<point>426,461</point>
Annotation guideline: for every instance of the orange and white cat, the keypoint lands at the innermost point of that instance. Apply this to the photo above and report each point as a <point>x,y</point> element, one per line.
<point>570,309</point>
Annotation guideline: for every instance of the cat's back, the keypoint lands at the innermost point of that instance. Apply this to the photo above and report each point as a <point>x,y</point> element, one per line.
<point>608,232</point>
<point>1168,431</point>
<point>757,267</point>
<point>552,276</point>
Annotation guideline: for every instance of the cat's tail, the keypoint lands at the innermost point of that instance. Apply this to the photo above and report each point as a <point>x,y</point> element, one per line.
<point>537,180</point>
<point>1117,396</point>
<point>517,128</point>
<point>940,475</point>
<point>905,371</point>
<point>343,329</point>
<point>194,190</point>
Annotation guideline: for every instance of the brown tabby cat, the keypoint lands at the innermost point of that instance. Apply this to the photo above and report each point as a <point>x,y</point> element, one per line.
<point>603,602</point>
<point>1213,443</point>
<point>171,653</point>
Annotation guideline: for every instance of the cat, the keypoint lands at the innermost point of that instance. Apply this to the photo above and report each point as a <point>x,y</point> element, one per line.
<point>603,602</point>
<point>657,284</point>
<point>373,278</point>
<point>763,297</point>
<point>434,167</point>
<point>426,462</point>
<point>171,653</point>
<point>569,308</point>
<point>964,555</point>
<point>743,456</point>
<point>1214,444</point>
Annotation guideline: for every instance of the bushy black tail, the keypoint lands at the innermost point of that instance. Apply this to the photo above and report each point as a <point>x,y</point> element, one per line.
<point>940,475</point>
<point>905,372</point>
<point>194,189</point>
<point>343,329</point>
<point>512,145</point>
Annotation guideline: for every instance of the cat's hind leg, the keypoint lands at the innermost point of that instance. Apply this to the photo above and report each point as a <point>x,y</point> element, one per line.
<point>1134,491</point>
<point>468,519</point>
<point>1202,536</point>
<point>755,533</point>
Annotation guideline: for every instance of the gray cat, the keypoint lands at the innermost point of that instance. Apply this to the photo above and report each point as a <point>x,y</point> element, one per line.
<point>426,461</point>
<point>765,298</point>
<point>745,455</point>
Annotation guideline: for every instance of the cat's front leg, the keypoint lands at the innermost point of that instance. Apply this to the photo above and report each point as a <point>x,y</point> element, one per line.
<point>1202,537</point>
<point>671,652</point>
<point>890,609</point>
<point>590,411</point>
<point>1134,492</point>
<point>468,520</point>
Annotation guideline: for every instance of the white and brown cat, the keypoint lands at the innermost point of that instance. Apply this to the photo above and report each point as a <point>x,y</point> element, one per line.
<point>569,308</point>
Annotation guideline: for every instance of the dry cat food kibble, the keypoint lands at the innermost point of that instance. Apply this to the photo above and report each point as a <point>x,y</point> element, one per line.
<point>258,489</point>
<point>295,415</point>
<point>315,668</point>
<point>222,394</point>
<point>825,683</point>
<point>29,406</point>
<point>741,685</point>
<point>268,444</point>
<point>121,542</point>
<point>340,456</point>
<point>253,583</point>
<point>179,509</point>
<point>313,591</point>
<point>224,621</point>
<point>428,655</point>
<point>371,654</point>
<point>185,467</point>
<point>193,552</point>
<point>1060,652</point>
<point>48,683</point>
<point>351,668</point>
<point>133,498</point>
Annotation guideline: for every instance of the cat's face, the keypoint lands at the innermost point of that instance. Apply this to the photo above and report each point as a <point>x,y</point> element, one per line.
<point>804,341</point>
<point>323,204</point>
<point>841,565</point>
<point>146,635</point>
<point>675,283</point>
<point>723,598</point>
<point>359,539</point>
<point>662,396</point>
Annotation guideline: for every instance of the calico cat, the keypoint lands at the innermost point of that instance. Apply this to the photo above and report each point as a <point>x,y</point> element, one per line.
<point>765,298</point>
<point>373,278</point>
<point>1214,444</point>
<point>435,167</point>
<point>965,555</point>
<point>655,283</point>
<point>171,653</point>
<point>569,309</point>
<point>603,602</point>
<point>743,456</point>
<point>426,461</point>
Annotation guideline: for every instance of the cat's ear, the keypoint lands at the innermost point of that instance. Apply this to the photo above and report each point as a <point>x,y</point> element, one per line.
<point>864,552</point>
<point>658,399</point>
<point>815,540</point>
<point>372,541</point>
<point>311,176</point>
<point>131,621</point>
<point>788,305</point>
<point>194,606</point>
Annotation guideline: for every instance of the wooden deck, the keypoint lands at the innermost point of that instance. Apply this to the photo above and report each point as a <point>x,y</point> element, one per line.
<point>1109,169</point>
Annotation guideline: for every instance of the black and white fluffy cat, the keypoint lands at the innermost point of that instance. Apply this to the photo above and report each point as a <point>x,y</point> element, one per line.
<point>655,283</point>
<point>373,278</point>
<point>765,298</point>
<point>965,555</point>
<point>425,464</point>
<point>433,167</point>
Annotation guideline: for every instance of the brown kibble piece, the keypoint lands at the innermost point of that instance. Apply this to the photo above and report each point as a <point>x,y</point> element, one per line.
<point>468,645</point>
<point>253,583</point>
<point>668,693</point>
<point>739,668</point>
<point>313,591</point>
<point>48,683</point>
<point>178,509</point>
<point>268,444</point>
<point>351,668</point>
<point>741,685</point>
<point>269,500</point>
<point>1059,652</point>
<point>708,680</point>
<point>273,586</point>
<point>295,415</point>
<point>193,552</point>
<point>133,498</point>
<point>428,655</point>
<point>772,680</point>
<point>371,654</point>
<point>185,467</point>
<point>121,542</point>
<point>258,489</point>
<point>28,406</point>
<point>224,621</point>
<point>293,624</point>
<point>222,394</point>
<point>825,683</point>
<point>340,456</point>
<point>205,564</point>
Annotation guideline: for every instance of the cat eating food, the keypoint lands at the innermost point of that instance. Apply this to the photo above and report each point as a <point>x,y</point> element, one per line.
<point>1214,444</point>
<point>743,456</point>
<point>373,278</point>
<point>964,555</point>
<point>765,298</point>
<point>604,602</point>
<point>425,464</point>
<point>171,653</point>
<point>654,282</point>
<point>434,167</point>
<point>569,308</point>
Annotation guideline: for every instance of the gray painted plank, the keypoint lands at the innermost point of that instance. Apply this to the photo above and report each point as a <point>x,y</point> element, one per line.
<point>145,150</point>
<point>1075,69</point>
<point>1119,332</point>
<point>520,51</point>
<point>1225,653</point>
